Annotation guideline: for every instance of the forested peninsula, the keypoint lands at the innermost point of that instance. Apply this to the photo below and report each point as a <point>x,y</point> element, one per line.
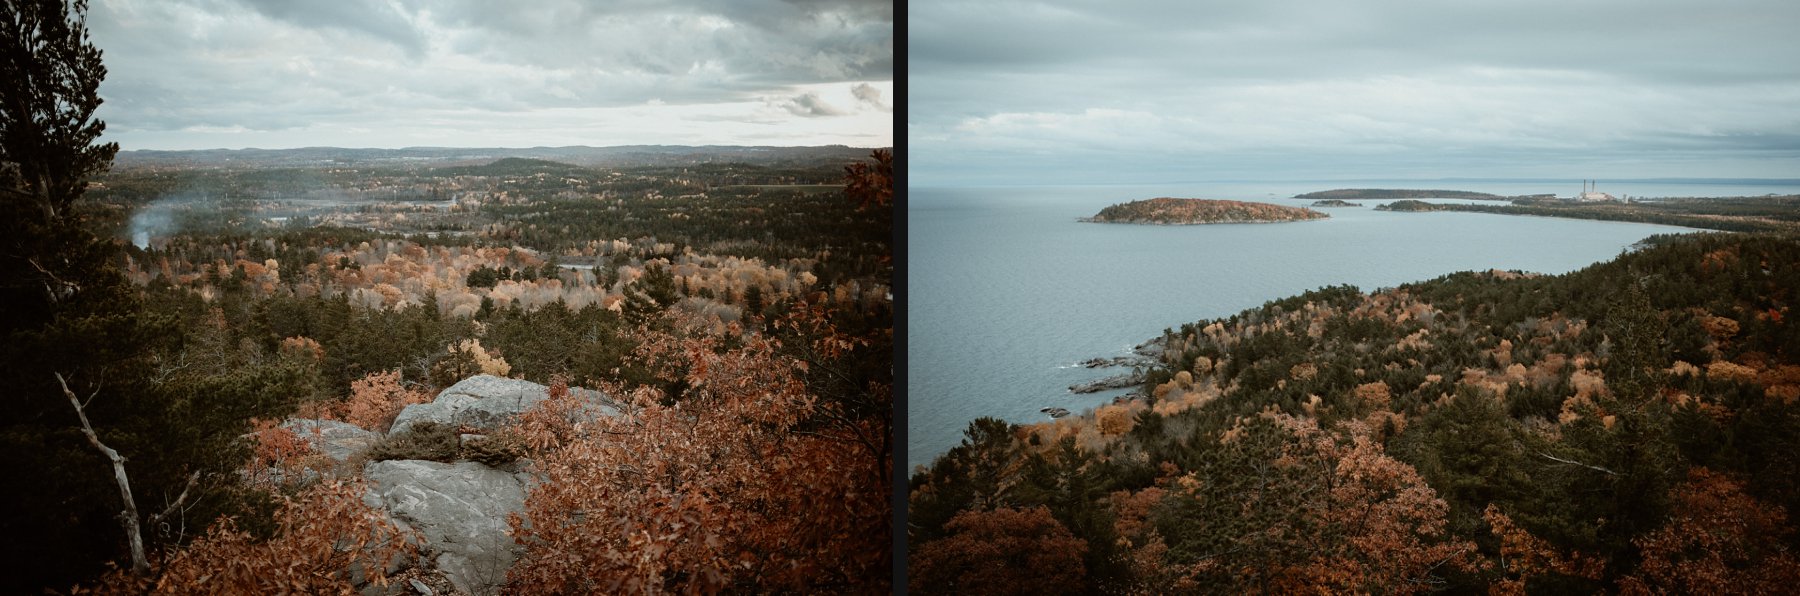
<point>1167,211</point>
<point>1633,426</point>
<point>1353,194</point>
<point>1732,214</point>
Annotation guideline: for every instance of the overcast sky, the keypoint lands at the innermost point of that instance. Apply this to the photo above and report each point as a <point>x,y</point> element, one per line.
<point>1111,91</point>
<point>188,74</point>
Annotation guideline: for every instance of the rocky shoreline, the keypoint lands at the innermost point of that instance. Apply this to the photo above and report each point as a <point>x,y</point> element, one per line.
<point>1142,357</point>
<point>1122,381</point>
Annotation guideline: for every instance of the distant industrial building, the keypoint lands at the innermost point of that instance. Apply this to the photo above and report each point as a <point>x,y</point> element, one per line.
<point>1588,194</point>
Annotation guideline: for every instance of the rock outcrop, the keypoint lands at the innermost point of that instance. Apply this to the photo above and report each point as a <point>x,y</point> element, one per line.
<point>1113,382</point>
<point>1152,348</point>
<point>1133,360</point>
<point>459,511</point>
<point>487,402</point>
<point>336,440</point>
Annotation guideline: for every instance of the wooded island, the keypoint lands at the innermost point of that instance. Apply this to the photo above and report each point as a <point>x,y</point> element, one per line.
<point>1167,211</point>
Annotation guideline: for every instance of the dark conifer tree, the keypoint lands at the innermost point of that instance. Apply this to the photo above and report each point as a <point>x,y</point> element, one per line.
<point>69,311</point>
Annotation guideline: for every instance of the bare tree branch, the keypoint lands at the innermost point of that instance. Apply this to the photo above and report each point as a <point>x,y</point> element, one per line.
<point>1576,463</point>
<point>173,507</point>
<point>128,517</point>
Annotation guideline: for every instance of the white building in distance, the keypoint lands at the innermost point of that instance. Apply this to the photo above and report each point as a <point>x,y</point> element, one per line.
<point>1588,194</point>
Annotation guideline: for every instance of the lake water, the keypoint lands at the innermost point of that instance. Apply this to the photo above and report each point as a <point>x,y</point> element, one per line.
<point>1007,291</point>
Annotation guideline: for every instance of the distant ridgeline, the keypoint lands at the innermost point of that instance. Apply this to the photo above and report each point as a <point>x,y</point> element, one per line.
<point>616,156</point>
<point>1397,193</point>
<point>1412,439</point>
<point>1169,211</point>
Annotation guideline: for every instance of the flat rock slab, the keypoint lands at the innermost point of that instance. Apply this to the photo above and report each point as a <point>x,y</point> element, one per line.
<point>487,402</point>
<point>460,513</point>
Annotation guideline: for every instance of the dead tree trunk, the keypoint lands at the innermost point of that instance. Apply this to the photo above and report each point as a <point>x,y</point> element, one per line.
<point>128,517</point>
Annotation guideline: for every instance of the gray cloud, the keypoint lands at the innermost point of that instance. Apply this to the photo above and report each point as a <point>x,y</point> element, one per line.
<point>758,41</point>
<point>1288,87</point>
<point>810,105</point>
<point>381,21</point>
<point>867,94</point>
<point>357,68</point>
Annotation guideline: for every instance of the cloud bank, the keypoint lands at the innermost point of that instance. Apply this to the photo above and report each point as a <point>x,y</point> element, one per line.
<point>394,73</point>
<point>1083,91</point>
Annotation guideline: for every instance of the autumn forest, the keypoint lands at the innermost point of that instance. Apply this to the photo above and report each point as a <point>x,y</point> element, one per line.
<point>1629,427</point>
<point>616,312</point>
<point>635,370</point>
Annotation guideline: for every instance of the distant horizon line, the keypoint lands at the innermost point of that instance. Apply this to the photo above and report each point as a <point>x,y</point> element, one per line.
<point>1662,180</point>
<point>427,147</point>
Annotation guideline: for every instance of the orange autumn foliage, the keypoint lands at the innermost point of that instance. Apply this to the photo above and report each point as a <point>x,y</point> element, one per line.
<point>278,455</point>
<point>303,346</point>
<point>322,533</point>
<point>1524,556</point>
<point>1003,551</point>
<point>871,185</point>
<point>1382,528</point>
<point>1374,395</point>
<point>1730,371</point>
<point>1146,552</point>
<point>1720,328</point>
<point>1718,541</point>
<point>376,399</point>
<point>748,482</point>
<point>1114,420</point>
<point>1333,514</point>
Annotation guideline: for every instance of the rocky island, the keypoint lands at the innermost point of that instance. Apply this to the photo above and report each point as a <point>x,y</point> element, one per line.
<point>1335,203</point>
<point>1167,211</point>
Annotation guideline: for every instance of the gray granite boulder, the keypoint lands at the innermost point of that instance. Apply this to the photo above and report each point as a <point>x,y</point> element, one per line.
<point>337,440</point>
<point>459,511</point>
<point>487,402</point>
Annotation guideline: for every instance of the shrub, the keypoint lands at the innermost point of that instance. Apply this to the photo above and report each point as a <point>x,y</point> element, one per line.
<point>1113,420</point>
<point>466,359</point>
<point>493,450</point>
<point>279,456</point>
<point>376,399</point>
<point>424,440</point>
<point>321,534</point>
